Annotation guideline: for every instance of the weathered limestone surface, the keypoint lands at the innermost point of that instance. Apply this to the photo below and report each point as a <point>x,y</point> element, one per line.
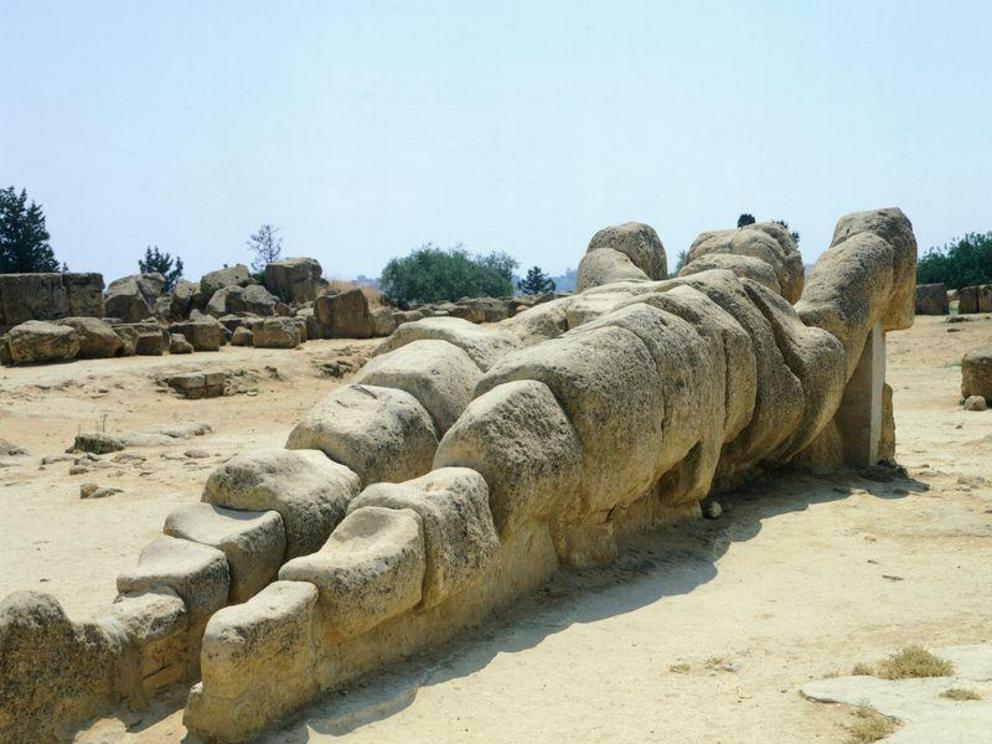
<point>344,315</point>
<point>258,661</point>
<point>132,298</point>
<point>380,433</point>
<point>460,539</point>
<point>53,672</point>
<point>197,573</point>
<point>97,338</point>
<point>438,374</point>
<point>976,373</point>
<point>253,542</point>
<point>49,297</point>
<point>294,279</point>
<point>309,491</point>
<point>371,569</point>
<point>931,299</point>
<point>638,242</point>
<point>766,241</point>
<point>484,346</point>
<point>623,407</point>
<point>38,342</point>
<point>519,439</point>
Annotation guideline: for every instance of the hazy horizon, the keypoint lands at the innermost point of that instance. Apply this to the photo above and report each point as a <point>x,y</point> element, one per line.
<point>365,129</point>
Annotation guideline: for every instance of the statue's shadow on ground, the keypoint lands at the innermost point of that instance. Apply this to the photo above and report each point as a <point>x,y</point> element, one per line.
<point>670,561</point>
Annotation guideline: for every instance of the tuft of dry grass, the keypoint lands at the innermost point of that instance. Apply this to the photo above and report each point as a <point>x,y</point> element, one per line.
<point>679,668</point>
<point>960,693</point>
<point>913,662</point>
<point>870,726</point>
<point>863,670</point>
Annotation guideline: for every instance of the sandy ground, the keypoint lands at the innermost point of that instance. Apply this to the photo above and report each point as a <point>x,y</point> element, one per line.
<point>703,632</point>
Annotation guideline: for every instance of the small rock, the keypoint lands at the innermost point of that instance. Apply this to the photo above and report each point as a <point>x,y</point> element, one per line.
<point>78,470</point>
<point>11,450</point>
<point>52,459</point>
<point>975,403</point>
<point>712,510</point>
<point>93,491</point>
<point>196,454</point>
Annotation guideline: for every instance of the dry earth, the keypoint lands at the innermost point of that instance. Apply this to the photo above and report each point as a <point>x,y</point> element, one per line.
<point>704,632</point>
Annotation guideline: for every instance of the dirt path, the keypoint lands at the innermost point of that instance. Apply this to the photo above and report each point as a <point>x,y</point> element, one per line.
<point>703,633</point>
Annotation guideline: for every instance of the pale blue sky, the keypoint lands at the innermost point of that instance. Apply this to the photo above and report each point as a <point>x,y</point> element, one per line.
<point>363,129</point>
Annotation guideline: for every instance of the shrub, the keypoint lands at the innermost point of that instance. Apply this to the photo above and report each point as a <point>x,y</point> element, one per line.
<point>964,262</point>
<point>432,274</point>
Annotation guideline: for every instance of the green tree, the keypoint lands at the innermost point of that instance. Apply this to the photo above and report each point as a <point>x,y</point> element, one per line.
<point>961,263</point>
<point>24,244</point>
<point>432,274</point>
<point>746,219</point>
<point>265,246</point>
<point>679,263</point>
<point>536,282</point>
<point>164,264</point>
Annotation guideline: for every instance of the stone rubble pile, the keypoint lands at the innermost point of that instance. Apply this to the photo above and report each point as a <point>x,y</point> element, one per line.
<point>52,318</point>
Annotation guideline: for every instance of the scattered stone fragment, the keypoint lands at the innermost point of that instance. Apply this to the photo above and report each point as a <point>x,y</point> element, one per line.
<point>179,345</point>
<point>975,403</point>
<point>94,491</point>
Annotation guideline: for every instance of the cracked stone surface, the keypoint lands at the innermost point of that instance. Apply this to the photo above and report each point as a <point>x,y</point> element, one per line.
<point>927,717</point>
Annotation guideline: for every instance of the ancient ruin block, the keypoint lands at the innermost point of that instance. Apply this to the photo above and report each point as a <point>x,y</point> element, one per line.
<point>460,539</point>
<point>309,491</point>
<point>744,267</point>
<point>196,385</point>
<point>156,625</point>
<point>197,573</point>
<point>39,342</point>
<point>229,276</point>
<point>276,333</point>
<point>976,374</point>
<point>481,309</point>
<point>97,339</point>
<point>605,266</point>
<point>294,280</point>
<point>608,385</point>
<point>344,315</point>
<point>639,242</point>
<point>484,346</point>
<point>258,663</point>
<point>26,297</point>
<point>438,374</point>
<point>371,569</point>
<point>53,672</point>
<point>967,300</point>
<point>766,241</point>
<point>382,434</point>
<point>931,299</point>
<point>985,298</point>
<point>519,439</point>
<point>205,334</point>
<point>132,298</point>
<point>254,542</point>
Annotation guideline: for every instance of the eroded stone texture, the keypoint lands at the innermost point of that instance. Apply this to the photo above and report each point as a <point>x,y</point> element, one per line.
<point>519,439</point>
<point>438,374</point>
<point>484,346</point>
<point>197,573</point>
<point>371,569</point>
<point>258,660</point>
<point>40,342</point>
<point>639,242</point>
<point>766,241</point>
<point>382,434</point>
<point>309,491</point>
<point>53,672</point>
<point>460,539</point>
<point>931,299</point>
<point>976,373</point>
<point>253,542</point>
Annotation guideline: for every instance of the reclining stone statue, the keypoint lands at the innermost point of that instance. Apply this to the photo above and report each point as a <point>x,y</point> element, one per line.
<point>464,464</point>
